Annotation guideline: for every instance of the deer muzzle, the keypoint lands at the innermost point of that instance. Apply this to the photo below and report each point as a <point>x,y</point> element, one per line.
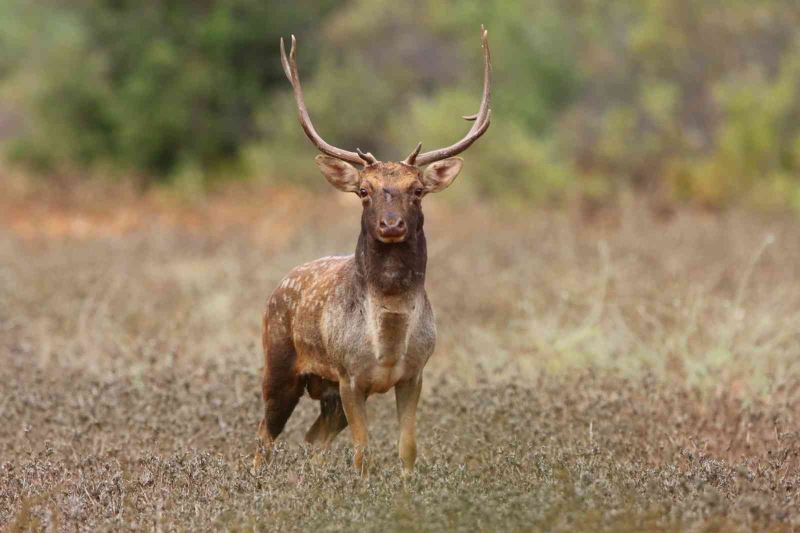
<point>392,228</point>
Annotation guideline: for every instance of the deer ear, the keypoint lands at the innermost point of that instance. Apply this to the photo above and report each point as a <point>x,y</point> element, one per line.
<point>439,175</point>
<point>340,174</point>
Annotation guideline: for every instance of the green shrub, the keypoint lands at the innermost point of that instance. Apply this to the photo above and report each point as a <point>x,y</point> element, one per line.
<point>692,101</point>
<point>154,88</point>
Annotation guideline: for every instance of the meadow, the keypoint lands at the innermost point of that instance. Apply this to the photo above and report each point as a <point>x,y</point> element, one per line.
<point>624,369</point>
<point>615,274</point>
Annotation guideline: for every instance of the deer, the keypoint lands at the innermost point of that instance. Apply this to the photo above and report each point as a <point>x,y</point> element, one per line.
<point>343,328</point>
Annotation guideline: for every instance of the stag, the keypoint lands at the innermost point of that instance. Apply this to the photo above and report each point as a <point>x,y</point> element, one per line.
<point>346,327</point>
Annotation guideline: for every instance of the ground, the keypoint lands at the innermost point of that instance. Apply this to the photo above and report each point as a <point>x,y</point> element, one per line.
<point>627,370</point>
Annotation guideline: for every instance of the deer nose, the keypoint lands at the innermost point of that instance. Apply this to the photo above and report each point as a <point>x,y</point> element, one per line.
<point>392,227</point>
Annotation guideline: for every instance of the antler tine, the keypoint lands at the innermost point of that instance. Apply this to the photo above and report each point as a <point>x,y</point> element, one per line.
<point>412,157</point>
<point>290,69</point>
<point>284,62</point>
<point>481,119</point>
<point>368,158</point>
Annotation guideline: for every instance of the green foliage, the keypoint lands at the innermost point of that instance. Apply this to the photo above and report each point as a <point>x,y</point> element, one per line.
<point>696,101</point>
<point>156,87</point>
<point>755,153</point>
<point>699,101</point>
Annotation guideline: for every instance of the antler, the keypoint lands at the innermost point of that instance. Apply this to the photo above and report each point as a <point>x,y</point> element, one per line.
<point>482,118</point>
<point>290,68</point>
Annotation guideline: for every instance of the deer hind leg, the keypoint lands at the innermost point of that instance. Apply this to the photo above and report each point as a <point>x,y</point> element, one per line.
<point>331,420</point>
<point>282,388</point>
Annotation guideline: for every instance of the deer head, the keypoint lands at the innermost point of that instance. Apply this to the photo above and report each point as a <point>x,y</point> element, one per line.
<point>391,192</point>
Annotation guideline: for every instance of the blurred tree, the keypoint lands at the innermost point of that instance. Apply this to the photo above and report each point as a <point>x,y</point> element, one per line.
<point>690,100</point>
<point>155,87</point>
<point>661,109</point>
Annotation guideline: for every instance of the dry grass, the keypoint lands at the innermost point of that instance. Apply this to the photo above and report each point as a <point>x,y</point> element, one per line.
<point>618,374</point>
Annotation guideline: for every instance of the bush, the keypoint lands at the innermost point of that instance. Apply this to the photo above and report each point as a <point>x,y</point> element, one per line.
<point>154,88</point>
<point>694,101</point>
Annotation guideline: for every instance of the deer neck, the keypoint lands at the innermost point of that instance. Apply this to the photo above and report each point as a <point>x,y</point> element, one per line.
<point>392,279</point>
<point>394,269</point>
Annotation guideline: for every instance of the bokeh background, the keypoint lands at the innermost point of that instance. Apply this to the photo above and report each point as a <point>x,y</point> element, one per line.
<point>615,274</point>
<point>686,101</point>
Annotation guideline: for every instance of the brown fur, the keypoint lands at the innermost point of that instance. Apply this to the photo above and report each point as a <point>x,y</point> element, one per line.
<point>363,322</point>
<point>343,328</point>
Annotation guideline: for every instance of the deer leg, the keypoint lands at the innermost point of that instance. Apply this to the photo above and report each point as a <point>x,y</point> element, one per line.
<point>316,430</point>
<point>330,422</point>
<point>281,389</point>
<point>277,411</point>
<point>354,403</point>
<point>407,397</point>
<point>263,446</point>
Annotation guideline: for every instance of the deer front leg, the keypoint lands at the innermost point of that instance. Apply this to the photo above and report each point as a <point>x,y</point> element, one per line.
<point>407,396</point>
<point>354,402</point>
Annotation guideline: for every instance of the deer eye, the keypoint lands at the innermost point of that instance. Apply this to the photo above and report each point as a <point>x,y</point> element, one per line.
<point>418,192</point>
<point>363,193</point>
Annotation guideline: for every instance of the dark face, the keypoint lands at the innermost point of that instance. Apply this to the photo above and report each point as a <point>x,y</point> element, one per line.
<point>391,193</point>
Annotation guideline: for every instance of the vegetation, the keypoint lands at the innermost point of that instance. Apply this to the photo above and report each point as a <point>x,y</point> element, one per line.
<point>694,101</point>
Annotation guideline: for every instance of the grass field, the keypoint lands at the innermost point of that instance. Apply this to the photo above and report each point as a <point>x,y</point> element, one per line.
<point>618,371</point>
